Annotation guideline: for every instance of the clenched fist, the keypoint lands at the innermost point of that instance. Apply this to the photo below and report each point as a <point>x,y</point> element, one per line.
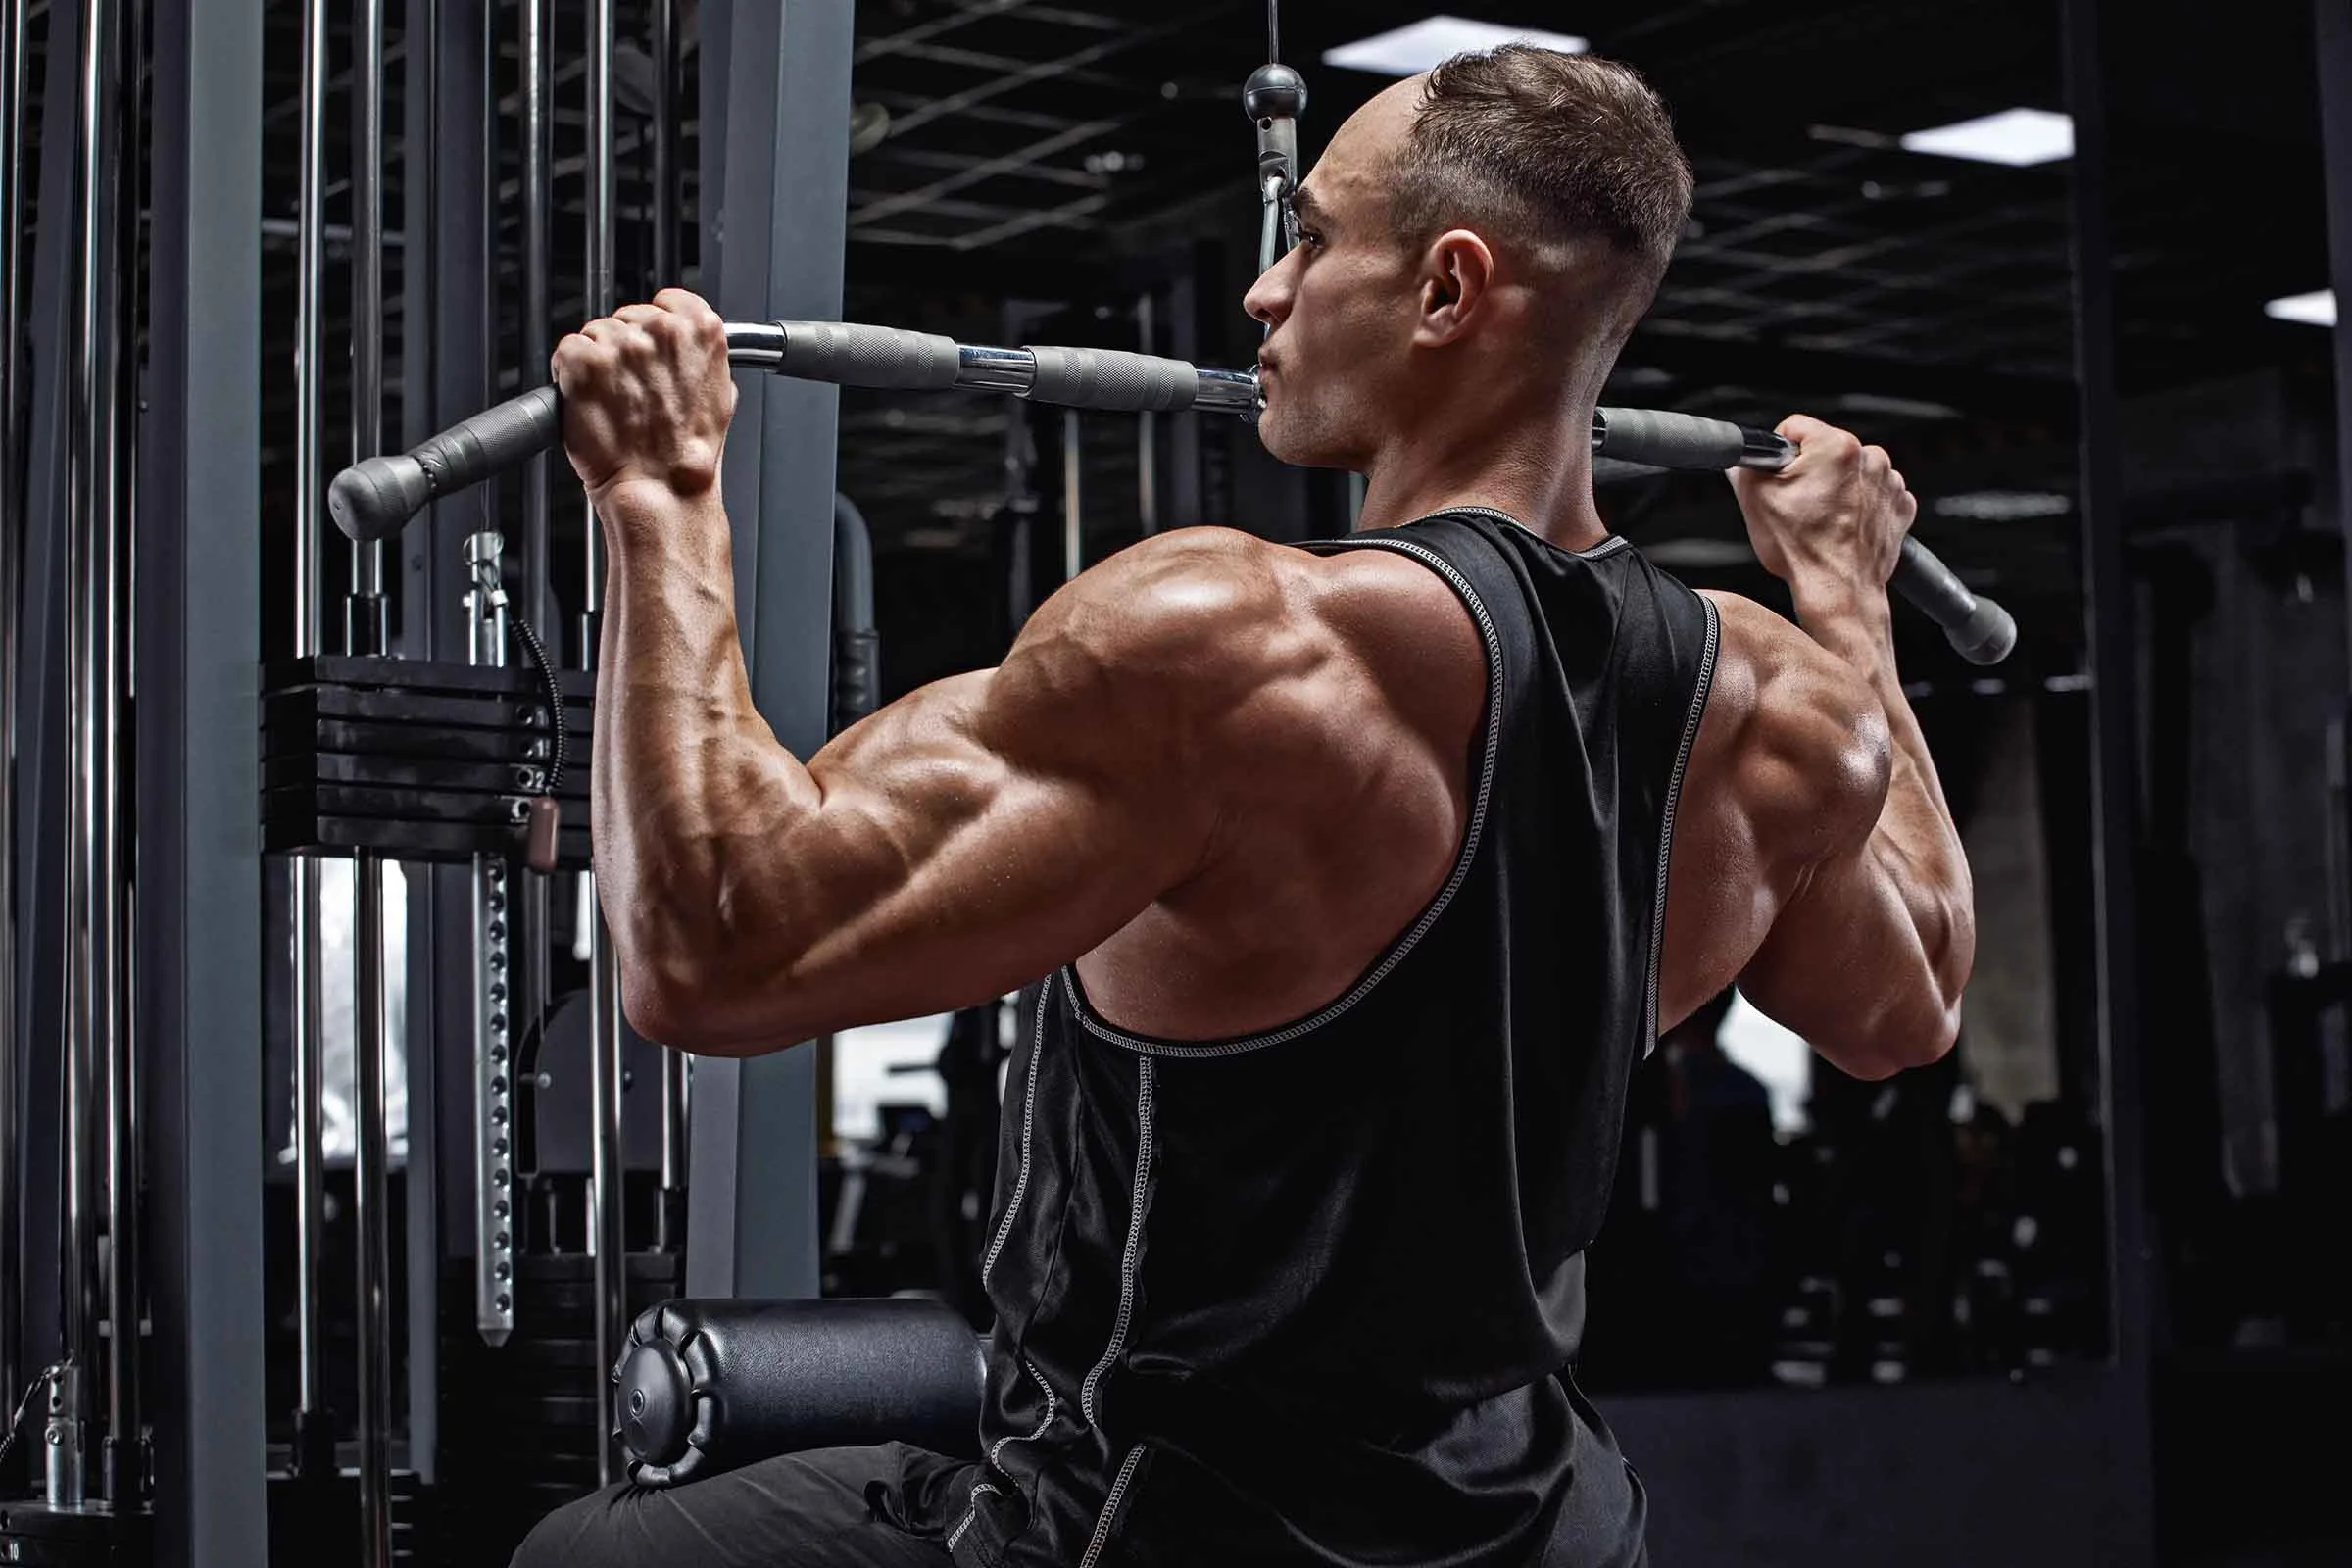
<point>1838,509</point>
<point>647,395</point>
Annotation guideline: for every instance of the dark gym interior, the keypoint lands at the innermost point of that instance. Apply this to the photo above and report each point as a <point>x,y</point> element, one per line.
<point>332,1177</point>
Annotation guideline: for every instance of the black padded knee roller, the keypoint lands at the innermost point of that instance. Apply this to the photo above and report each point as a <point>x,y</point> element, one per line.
<point>705,1387</point>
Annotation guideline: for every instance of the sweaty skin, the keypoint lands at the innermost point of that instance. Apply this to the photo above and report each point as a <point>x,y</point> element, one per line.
<point>1221,776</point>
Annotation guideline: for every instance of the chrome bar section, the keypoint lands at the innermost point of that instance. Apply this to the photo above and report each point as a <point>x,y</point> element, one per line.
<point>314,1442</point>
<point>364,633</point>
<point>93,979</point>
<point>1147,427</point>
<point>12,529</point>
<point>1229,392</point>
<point>493,978</point>
<point>985,369</point>
<point>608,1237</point>
<point>758,344</point>
<point>1766,450</point>
<point>537,605</point>
<point>1073,495</point>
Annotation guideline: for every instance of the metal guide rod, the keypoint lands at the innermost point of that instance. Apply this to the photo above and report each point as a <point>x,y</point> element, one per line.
<point>496,1321</point>
<point>93,1016</point>
<point>12,525</point>
<point>598,292</point>
<point>314,1444</point>
<point>365,625</point>
<point>665,51</point>
<point>368,282</point>
<point>605,1177</point>
<point>123,1468</point>
<point>373,1217</point>
<point>608,1237</point>
<point>536,267</point>
<point>669,1219</point>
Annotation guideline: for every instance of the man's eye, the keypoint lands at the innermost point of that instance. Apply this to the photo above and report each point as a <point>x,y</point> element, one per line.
<point>1309,238</point>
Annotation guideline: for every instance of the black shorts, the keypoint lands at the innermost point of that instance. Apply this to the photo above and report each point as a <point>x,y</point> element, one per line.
<point>886,1508</point>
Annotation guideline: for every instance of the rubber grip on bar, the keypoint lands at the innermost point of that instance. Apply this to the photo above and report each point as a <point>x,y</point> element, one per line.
<point>1979,630</point>
<point>849,354</point>
<point>375,498</point>
<point>1114,379</point>
<point>1665,440</point>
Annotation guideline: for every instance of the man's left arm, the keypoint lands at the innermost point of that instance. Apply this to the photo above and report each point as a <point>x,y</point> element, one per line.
<point>959,843</point>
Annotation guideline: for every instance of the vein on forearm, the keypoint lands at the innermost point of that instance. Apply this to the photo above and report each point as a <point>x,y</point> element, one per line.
<point>685,763</point>
<point>1917,840</point>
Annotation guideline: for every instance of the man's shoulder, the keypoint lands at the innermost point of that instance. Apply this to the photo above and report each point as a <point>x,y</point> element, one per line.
<point>1795,730</point>
<point>1206,600</point>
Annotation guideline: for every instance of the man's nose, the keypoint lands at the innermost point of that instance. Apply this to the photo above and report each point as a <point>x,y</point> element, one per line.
<point>1270,298</point>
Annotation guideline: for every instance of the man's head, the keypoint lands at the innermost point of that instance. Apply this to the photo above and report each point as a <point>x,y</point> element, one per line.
<point>1492,229</point>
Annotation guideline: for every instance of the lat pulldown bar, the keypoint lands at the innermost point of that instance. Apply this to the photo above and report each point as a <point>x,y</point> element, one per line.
<point>375,498</point>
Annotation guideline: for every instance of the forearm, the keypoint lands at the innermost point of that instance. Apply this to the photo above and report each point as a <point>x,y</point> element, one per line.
<point>684,765</point>
<point>1916,840</point>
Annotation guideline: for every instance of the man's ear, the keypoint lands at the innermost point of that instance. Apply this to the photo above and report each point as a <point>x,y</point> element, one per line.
<point>1457,272</point>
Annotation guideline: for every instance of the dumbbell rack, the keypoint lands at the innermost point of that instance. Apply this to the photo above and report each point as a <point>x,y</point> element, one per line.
<point>418,759</point>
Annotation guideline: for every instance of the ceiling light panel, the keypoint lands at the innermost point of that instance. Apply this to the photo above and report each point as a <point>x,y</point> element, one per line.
<point>2016,137</point>
<point>1411,50</point>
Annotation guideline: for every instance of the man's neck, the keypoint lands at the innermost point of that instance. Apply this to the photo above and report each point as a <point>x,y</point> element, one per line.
<point>1539,475</point>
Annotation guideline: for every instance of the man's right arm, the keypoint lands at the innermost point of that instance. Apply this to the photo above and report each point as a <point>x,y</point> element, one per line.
<point>1872,935</point>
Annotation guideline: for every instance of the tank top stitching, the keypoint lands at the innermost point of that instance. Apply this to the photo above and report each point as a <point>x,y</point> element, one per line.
<point>1110,1509</point>
<point>1607,547</point>
<point>1052,1409</point>
<point>1674,800</point>
<point>1137,1207</point>
<point>972,1511</point>
<point>1331,1011</point>
<point>1021,1179</point>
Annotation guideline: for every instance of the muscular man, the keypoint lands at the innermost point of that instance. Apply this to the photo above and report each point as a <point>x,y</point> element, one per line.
<point>1364,873</point>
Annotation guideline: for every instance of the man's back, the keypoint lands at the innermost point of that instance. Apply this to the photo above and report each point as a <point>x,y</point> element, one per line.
<point>1309,1291</point>
<point>1353,778</point>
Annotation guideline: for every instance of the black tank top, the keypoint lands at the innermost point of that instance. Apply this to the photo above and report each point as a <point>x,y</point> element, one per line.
<point>1314,1296</point>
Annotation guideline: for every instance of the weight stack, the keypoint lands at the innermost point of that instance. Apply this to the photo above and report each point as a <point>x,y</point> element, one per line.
<point>520,1424</point>
<point>419,759</point>
<point>34,1535</point>
<point>318,1521</point>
